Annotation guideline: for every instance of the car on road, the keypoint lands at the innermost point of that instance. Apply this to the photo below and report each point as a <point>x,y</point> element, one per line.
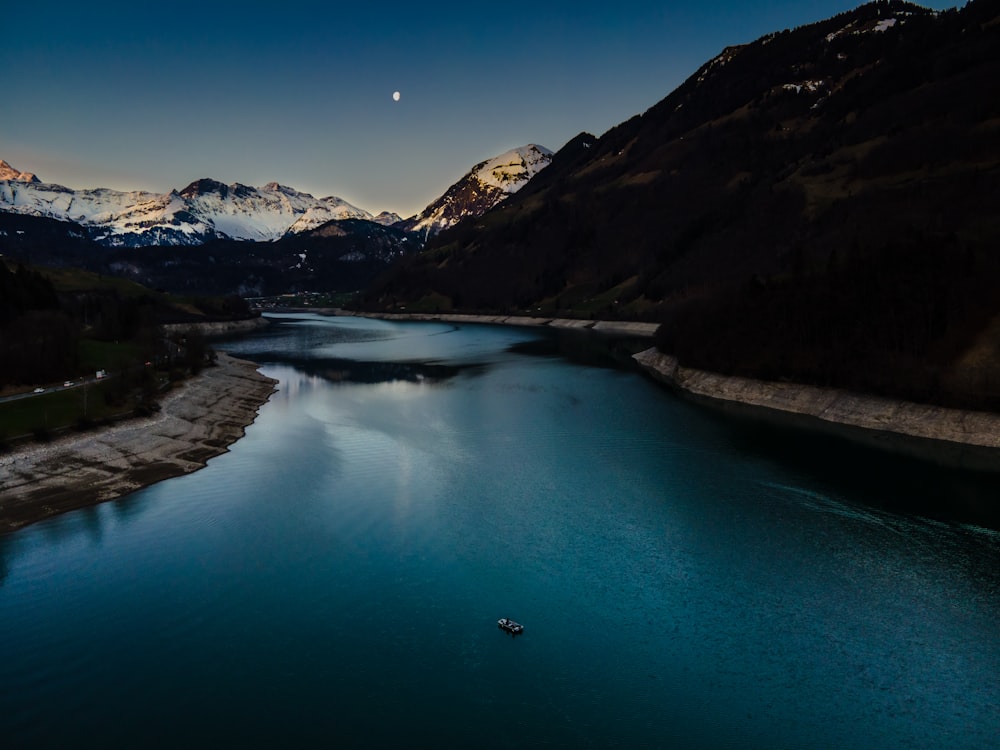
<point>39,390</point>
<point>67,384</point>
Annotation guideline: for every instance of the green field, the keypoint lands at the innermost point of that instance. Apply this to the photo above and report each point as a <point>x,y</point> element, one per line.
<point>50,412</point>
<point>106,355</point>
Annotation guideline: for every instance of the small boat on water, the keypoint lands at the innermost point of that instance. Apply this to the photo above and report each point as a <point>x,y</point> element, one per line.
<point>514,628</point>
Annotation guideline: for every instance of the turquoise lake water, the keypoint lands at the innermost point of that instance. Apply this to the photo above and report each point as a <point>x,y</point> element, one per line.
<point>686,580</point>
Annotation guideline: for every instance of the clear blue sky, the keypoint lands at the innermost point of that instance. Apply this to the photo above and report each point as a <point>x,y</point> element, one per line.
<point>155,95</point>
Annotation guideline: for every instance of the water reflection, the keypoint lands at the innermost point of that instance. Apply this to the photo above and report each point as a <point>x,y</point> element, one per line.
<point>93,523</point>
<point>368,351</point>
<point>584,347</point>
<point>354,371</point>
<point>127,507</point>
<point>340,571</point>
<point>882,480</point>
<point>5,551</point>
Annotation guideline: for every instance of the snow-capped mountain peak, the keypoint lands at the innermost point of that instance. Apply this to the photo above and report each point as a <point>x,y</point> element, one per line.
<point>484,186</point>
<point>388,218</point>
<point>7,172</point>
<point>204,210</point>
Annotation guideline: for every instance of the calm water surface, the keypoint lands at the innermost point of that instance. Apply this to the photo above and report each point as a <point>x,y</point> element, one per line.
<point>335,579</point>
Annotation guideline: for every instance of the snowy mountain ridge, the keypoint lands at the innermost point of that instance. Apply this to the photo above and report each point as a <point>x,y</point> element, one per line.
<point>488,183</point>
<point>204,210</point>
<point>207,209</point>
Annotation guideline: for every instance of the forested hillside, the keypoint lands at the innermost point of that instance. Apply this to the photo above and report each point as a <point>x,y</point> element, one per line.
<point>61,324</point>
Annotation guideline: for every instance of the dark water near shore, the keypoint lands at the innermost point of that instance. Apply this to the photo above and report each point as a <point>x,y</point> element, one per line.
<point>335,580</point>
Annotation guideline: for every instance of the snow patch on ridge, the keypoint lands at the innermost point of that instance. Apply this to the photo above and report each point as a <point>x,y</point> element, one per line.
<point>511,170</point>
<point>809,86</point>
<point>879,26</point>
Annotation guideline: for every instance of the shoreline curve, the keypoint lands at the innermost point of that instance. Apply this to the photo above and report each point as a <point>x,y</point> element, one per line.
<point>951,438</point>
<point>196,422</point>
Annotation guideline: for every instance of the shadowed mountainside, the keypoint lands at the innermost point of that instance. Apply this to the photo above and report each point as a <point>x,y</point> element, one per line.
<point>818,205</point>
<point>342,255</point>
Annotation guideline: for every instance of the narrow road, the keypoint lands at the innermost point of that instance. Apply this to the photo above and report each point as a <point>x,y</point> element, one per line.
<point>52,389</point>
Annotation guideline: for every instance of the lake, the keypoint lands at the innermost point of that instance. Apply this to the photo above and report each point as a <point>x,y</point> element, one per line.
<point>685,579</point>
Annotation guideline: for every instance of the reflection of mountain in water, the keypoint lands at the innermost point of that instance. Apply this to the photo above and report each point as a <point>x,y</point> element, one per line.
<point>353,371</point>
<point>584,348</point>
<point>880,483</point>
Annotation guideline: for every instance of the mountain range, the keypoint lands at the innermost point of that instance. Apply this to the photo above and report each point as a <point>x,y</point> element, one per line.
<point>239,239</point>
<point>819,204</point>
<point>204,210</point>
<point>209,210</point>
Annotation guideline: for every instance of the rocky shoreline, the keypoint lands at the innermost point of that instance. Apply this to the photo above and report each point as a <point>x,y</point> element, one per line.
<point>196,422</point>
<point>219,328</point>
<point>948,437</point>
<point>613,327</point>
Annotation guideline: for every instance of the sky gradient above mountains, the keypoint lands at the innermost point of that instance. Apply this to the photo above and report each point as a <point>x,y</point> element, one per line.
<point>132,96</point>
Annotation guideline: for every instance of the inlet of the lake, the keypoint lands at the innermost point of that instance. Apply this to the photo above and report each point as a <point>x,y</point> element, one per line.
<point>685,580</point>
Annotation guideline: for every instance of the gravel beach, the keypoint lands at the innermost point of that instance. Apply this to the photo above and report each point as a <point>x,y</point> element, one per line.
<point>197,421</point>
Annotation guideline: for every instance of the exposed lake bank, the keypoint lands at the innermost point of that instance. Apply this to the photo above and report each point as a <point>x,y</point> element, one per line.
<point>948,437</point>
<point>613,327</point>
<point>197,421</point>
<point>219,327</point>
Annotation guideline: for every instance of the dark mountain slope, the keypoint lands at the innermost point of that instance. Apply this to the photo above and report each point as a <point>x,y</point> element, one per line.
<point>341,255</point>
<point>820,198</point>
<point>37,239</point>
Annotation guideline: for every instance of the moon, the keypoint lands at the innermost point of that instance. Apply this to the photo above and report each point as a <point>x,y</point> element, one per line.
<point>395,96</point>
